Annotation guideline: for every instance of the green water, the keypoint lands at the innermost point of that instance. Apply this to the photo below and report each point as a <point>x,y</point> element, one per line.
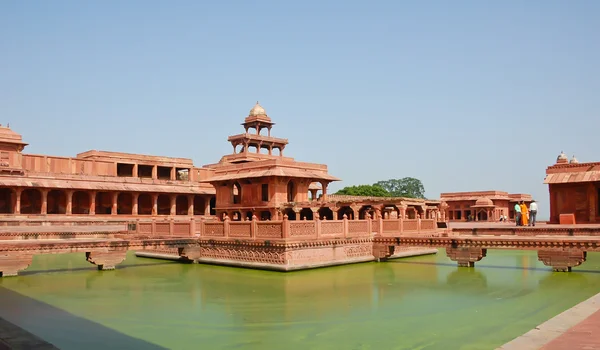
<point>416,303</point>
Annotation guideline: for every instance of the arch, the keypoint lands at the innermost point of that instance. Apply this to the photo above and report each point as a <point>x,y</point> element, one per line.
<point>199,204</point>
<point>278,153</point>
<point>326,213</point>
<point>56,202</point>
<point>265,215</point>
<point>182,205</point>
<point>31,201</point>
<point>236,193</point>
<point>236,216</point>
<point>482,215</point>
<point>80,203</point>
<point>345,210</point>
<point>124,203</point>
<point>363,210</point>
<point>103,203</point>
<point>291,191</point>
<point>306,214</point>
<point>6,201</point>
<point>238,150</point>
<point>248,216</point>
<point>290,213</point>
<point>145,204</point>
<point>164,204</point>
<point>264,149</point>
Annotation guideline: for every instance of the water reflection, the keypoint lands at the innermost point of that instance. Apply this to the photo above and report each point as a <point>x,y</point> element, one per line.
<point>418,302</point>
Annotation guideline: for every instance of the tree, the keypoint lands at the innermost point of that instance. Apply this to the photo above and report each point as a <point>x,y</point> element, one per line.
<point>364,190</point>
<point>405,187</point>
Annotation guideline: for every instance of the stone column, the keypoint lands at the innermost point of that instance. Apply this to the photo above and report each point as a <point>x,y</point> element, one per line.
<point>190,204</point>
<point>134,205</point>
<point>113,209</point>
<point>154,172</point>
<point>335,213</point>
<point>154,204</point>
<point>135,171</point>
<point>324,190</point>
<point>593,200</point>
<point>402,210</point>
<point>173,198</point>
<point>355,212</point>
<point>69,209</point>
<point>173,173</point>
<point>93,203</point>
<point>44,201</point>
<point>207,206</point>
<point>17,207</point>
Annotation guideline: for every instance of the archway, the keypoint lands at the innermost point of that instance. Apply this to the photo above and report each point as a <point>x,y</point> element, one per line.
<point>164,204</point>
<point>326,213</point>
<point>56,202</point>
<point>80,203</point>
<point>306,214</point>
<point>31,201</point>
<point>213,205</point>
<point>236,193</point>
<point>6,201</point>
<point>145,204</point>
<point>345,210</point>
<point>199,205</point>
<point>365,209</point>
<point>291,214</point>
<point>482,215</point>
<point>249,215</point>
<point>181,205</point>
<point>236,216</point>
<point>291,191</point>
<point>265,215</point>
<point>103,203</point>
<point>124,203</point>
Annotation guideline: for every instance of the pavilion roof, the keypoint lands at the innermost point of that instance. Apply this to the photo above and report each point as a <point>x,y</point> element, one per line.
<point>572,177</point>
<point>278,171</point>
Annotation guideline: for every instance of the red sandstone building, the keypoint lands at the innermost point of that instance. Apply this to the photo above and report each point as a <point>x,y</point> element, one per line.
<point>574,191</point>
<point>482,205</point>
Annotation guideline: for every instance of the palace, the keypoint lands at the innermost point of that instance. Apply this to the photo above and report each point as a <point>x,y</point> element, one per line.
<point>482,205</point>
<point>574,191</point>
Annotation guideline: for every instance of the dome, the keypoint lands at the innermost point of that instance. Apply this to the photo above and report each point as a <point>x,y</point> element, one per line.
<point>562,158</point>
<point>574,160</point>
<point>484,202</point>
<point>257,113</point>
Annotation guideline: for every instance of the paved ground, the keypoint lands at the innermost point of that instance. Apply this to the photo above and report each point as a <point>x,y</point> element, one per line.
<point>14,337</point>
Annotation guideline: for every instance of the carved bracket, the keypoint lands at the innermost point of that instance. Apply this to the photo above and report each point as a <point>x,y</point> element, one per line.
<point>382,252</point>
<point>13,262</point>
<point>190,253</point>
<point>562,260</point>
<point>106,260</point>
<point>466,257</point>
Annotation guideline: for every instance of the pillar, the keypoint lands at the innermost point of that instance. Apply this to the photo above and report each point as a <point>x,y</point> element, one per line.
<point>93,203</point>
<point>324,189</point>
<point>173,173</point>
<point>190,204</point>
<point>17,207</point>
<point>44,201</point>
<point>173,199</point>
<point>113,209</point>
<point>154,204</point>
<point>69,209</point>
<point>355,211</point>
<point>135,171</point>
<point>134,206</point>
<point>154,172</point>
<point>207,206</point>
<point>402,210</point>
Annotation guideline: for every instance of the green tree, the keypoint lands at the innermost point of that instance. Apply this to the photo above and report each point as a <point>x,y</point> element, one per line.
<point>405,187</point>
<point>364,190</point>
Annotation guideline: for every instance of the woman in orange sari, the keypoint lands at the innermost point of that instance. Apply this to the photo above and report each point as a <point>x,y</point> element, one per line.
<point>524,214</point>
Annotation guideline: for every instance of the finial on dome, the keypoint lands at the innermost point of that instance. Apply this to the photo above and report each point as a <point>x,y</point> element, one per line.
<point>562,158</point>
<point>257,110</point>
<point>574,160</point>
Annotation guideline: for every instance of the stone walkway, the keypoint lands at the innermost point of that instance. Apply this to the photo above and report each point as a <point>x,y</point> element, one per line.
<point>16,338</point>
<point>575,329</point>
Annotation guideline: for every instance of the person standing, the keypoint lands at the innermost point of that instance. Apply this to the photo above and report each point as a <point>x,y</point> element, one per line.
<point>533,208</point>
<point>524,214</point>
<point>518,214</point>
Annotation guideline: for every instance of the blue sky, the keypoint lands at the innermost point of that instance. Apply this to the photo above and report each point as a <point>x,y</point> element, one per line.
<point>464,95</point>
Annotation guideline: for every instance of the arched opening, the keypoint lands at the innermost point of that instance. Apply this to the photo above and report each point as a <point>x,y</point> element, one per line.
<point>124,203</point>
<point>345,210</point>
<point>145,204</point>
<point>103,203</point>
<point>239,148</point>
<point>248,216</point>
<point>291,191</point>
<point>164,204</point>
<point>364,210</point>
<point>278,153</point>
<point>326,213</point>
<point>265,215</point>
<point>264,150</point>
<point>6,201</point>
<point>80,203</point>
<point>31,201</point>
<point>213,205</point>
<point>482,216</point>
<point>57,202</point>
<point>236,216</point>
<point>306,214</point>
<point>181,205</point>
<point>199,204</point>
<point>390,211</point>
<point>236,193</point>
<point>291,214</point>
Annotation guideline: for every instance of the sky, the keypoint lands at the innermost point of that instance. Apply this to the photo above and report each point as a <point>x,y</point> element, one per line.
<point>463,95</point>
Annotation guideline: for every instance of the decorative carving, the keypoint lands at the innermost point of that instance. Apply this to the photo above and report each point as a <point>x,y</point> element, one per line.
<point>13,262</point>
<point>302,228</point>
<point>562,260</point>
<point>381,251</point>
<point>106,260</point>
<point>358,226</point>
<point>240,229</point>
<point>214,229</point>
<point>269,230</point>
<point>466,257</point>
<point>332,228</point>
<point>410,225</point>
